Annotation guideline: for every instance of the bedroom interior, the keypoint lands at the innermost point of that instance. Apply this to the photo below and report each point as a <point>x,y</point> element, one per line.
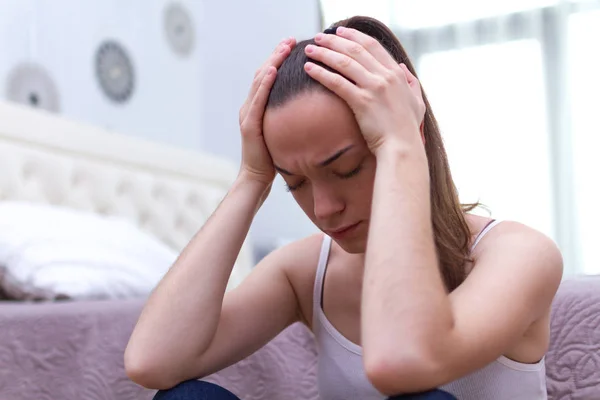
<point>119,137</point>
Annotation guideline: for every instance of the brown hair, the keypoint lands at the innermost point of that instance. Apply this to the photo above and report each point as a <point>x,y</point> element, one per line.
<point>451,231</point>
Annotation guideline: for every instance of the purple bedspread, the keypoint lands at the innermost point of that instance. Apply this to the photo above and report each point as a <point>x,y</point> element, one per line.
<point>573,360</point>
<point>74,351</point>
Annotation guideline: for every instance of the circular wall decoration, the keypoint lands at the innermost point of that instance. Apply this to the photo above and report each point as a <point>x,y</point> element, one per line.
<point>114,71</point>
<point>179,29</point>
<point>30,84</point>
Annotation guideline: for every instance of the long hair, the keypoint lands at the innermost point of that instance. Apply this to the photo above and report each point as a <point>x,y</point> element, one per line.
<point>451,231</point>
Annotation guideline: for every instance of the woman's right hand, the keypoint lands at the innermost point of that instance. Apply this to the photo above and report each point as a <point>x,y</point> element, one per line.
<point>257,164</point>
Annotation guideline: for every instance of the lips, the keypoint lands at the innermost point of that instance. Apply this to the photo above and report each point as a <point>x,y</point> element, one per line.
<point>342,230</point>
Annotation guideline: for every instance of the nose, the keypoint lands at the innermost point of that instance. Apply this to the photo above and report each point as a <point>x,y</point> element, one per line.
<point>326,202</point>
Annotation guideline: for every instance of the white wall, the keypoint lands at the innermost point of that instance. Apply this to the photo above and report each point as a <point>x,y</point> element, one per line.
<point>190,102</point>
<point>63,37</point>
<point>241,41</point>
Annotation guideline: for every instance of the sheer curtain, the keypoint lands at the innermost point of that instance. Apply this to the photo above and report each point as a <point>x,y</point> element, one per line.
<point>514,85</point>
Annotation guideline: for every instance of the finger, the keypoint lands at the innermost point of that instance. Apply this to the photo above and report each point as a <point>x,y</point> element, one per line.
<point>351,49</point>
<point>259,102</point>
<point>339,85</point>
<point>341,63</point>
<point>410,77</point>
<point>412,80</point>
<point>370,44</point>
<point>275,59</point>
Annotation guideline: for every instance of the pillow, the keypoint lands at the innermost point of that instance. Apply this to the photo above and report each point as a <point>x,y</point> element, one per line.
<point>49,252</point>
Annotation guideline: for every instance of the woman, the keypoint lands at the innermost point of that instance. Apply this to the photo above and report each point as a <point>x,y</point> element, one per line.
<point>405,292</point>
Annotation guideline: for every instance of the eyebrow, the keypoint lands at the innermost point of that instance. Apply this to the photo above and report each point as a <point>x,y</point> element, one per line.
<point>324,163</point>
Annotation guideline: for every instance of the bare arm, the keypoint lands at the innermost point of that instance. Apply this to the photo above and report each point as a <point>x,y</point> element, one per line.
<point>181,316</point>
<point>188,327</point>
<point>444,336</point>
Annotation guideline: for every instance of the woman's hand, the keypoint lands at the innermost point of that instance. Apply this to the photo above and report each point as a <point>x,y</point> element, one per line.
<point>385,96</point>
<point>257,164</point>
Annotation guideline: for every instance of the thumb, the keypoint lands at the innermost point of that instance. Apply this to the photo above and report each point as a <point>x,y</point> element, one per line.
<point>412,80</point>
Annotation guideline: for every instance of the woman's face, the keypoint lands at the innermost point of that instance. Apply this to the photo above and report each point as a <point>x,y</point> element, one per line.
<point>317,147</point>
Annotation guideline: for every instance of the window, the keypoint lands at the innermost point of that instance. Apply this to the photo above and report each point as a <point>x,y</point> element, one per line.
<point>583,68</point>
<point>515,87</point>
<point>493,121</point>
<point>413,14</point>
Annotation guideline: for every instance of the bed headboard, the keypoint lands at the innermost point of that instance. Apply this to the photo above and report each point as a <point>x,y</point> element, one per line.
<point>167,191</point>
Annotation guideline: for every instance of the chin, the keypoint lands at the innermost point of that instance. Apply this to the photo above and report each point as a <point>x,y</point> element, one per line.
<point>356,246</point>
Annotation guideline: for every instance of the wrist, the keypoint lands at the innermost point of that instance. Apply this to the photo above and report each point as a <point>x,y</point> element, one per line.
<point>398,148</point>
<point>402,158</point>
<point>257,187</point>
<point>258,180</point>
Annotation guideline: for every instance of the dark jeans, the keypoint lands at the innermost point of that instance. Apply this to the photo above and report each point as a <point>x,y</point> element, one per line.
<point>200,390</point>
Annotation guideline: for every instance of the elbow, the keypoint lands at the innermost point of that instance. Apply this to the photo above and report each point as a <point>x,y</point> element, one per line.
<point>393,373</point>
<point>148,373</point>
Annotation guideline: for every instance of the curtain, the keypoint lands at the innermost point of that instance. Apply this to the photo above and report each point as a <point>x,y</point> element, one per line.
<point>514,85</point>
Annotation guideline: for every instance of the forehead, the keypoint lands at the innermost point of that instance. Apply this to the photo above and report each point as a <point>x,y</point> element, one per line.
<point>315,122</point>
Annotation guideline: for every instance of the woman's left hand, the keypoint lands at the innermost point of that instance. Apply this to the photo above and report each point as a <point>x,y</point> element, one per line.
<point>385,96</point>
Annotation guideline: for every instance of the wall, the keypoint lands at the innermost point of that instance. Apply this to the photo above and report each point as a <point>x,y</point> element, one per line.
<point>191,102</point>
<point>63,37</point>
<point>241,41</point>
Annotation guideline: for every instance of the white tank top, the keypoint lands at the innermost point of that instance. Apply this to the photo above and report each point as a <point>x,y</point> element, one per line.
<point>341,375</point>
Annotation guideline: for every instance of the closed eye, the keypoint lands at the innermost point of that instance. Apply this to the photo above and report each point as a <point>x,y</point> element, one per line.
<point>350,174</point>
<point>291,188</point>
<point>347,175</point>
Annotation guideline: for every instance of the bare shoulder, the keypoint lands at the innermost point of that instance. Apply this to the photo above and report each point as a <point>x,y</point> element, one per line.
<point>299,261</point>
<point>514,249</point>
<point>521,240</point>
<point>507,296</point>
<point>297,254</point>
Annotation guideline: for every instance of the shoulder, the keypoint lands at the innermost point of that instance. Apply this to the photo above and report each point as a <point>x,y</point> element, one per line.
<point>519,255</point>
<point>520,241</point>
<point>297,254</point>
<point>299,261</point>
<point>296,260</point>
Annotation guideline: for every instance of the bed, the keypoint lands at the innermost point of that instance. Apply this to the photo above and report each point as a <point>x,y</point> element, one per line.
<point>74,349</point>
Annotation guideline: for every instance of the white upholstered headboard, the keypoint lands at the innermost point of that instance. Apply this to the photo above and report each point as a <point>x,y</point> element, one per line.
<point>167,191</point>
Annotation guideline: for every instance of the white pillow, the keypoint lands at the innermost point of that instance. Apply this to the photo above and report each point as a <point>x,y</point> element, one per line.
<point>63,252</point>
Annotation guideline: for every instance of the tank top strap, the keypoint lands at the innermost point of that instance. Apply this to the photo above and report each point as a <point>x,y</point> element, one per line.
<point>319,276</point>
<point>490,225</point>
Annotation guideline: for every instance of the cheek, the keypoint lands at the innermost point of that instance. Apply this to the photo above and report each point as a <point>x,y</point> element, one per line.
<point>305,201</point>
<point>362,189</point>
<point>362,192</point>
<point>356,194</point>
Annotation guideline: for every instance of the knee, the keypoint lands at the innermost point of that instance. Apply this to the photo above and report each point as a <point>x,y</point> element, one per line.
<point>195,390</point>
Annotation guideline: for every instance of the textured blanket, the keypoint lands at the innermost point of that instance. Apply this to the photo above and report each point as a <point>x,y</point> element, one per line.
<point>74,351</point>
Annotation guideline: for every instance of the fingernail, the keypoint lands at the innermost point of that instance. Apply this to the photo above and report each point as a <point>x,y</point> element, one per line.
<point>270,71</point>
<point>340,29</point>
<point>310,48</point>
<point>283,49</point>
<point>287,40</point>
<point>319,37</point>
<point>308,66</point>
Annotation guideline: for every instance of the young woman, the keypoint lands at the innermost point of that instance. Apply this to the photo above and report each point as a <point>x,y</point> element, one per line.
<point>406,291</point>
